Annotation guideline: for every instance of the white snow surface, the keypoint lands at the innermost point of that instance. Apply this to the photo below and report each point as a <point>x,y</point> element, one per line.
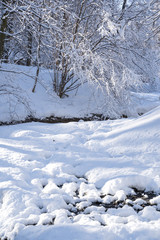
<point>52,177</point>
<point>84,101</point>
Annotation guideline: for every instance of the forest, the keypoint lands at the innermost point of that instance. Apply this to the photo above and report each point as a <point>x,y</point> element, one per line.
<point>111,44</point>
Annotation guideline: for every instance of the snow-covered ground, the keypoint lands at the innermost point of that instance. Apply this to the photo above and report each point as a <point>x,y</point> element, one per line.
<point>81,181</point>
<point>82,102</point>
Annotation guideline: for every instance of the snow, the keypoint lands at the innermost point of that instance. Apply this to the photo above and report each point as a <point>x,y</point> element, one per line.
<point>82,102</point>
<point>81,180</point>
<point>78,180</point>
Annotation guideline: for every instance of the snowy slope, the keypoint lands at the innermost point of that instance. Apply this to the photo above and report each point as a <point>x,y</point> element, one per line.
<point>44,102</point>
<point>84,180</point>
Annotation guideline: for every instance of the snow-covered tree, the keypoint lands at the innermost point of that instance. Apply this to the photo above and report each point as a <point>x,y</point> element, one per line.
<point>106,42</point>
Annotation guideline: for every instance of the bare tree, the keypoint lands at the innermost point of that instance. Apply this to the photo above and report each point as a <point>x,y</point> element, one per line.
<point>3,27</point>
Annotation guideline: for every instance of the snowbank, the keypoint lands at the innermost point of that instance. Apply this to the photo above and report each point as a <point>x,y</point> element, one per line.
<point>18,102</point>
<point>84,180</point>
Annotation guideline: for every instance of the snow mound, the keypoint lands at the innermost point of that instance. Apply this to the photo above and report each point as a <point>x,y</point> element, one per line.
<point>128,183</point>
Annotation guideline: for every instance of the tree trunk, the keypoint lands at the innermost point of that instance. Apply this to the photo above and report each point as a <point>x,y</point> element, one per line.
<point>29,49</point>
<point>124,5</point>
<point>2,32</point>
<point>38,55</point>
<point>36,79</point>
